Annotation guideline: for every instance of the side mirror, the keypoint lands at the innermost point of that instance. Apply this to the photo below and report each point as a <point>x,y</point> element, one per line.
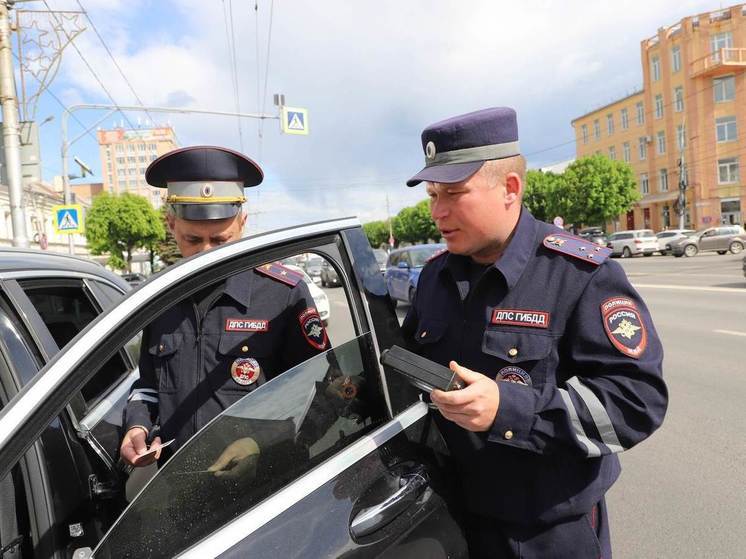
<point>402,264</point>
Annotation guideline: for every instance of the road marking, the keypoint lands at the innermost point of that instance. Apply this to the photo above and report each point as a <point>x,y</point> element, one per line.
<point>692,288</point>
<point>731,332</point>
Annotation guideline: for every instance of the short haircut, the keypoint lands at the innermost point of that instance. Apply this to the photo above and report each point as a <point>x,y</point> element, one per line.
<point>496,169</point>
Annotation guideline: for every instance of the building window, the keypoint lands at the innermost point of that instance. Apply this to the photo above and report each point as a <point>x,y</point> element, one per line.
<point>726,129</point>
<point>659,106</point>
<point>141,147</point>
<point>584,132</point>
<point>676,58</point>
<point>681,136</point>
<point>720,41</point>
<point>655,68</point>
<point>141,159</point>
<point>663,180</point>
<point>678,95</point>
<point>626,152</point>
<point>152,147</point>
<point>122,184</point>
<point>661,142</point>
<point>131,148</point>
<point>111,179</point>
<point>625,119</point>
<point>724,88</point>
<point>108,167</point>
<point>596,129</point>
<point>119,148</point>
<point>153,157</point>
<point>132,159</point>
<point>642,147</point>
<point>644,183</point>
<point>728,170</point>
<point>610,123</point>
<point>120,172</point>
<point>131,171</point>
<point>612,152</point>
<point>640,113</point>
<point>120,160</point>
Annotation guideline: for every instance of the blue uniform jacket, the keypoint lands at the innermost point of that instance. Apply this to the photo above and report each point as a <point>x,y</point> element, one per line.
<point>193,365</point>
<point>578,362</point>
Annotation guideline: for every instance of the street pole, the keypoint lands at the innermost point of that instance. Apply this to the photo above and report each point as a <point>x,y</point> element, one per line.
<point>11,133</point>
<point>682,191</point>
<point>65,145</point>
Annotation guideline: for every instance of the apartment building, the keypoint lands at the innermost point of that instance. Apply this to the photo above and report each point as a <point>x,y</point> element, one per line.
<point>693,106</point>
<point>125,154</point>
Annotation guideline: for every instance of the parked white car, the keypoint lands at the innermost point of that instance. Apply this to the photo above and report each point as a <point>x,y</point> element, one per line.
<point>632,242</point>
<point>319,297</point>
<point>669,236</point>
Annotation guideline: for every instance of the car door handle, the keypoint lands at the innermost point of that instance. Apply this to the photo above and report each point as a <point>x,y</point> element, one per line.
<point>370,519</point>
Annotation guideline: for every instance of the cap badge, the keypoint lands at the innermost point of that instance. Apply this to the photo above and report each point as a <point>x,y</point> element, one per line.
<point>206,190</point>
<point>430,150</point>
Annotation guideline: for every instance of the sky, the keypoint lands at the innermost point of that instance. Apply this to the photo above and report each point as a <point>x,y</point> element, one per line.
<point>371,74</point>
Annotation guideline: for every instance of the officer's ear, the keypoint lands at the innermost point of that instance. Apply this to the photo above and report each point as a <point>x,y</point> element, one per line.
<point>513,187</point>
<point>170,220</point>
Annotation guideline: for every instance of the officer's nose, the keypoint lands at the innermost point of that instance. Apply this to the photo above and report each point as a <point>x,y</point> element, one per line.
<point>438,209</point>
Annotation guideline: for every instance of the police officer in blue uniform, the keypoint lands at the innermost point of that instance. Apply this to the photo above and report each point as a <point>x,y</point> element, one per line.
<point>559,352</point>
<point>208,351</point>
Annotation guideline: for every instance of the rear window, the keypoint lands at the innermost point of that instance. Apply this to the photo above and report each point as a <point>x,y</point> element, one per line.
<point>665,234</point>
<point>645,233</point>
<point>620,236</point>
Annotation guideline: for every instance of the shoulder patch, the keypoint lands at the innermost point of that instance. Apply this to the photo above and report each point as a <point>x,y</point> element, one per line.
<point>577,248</point>
<point>280,273</point>
<point>624,326</point>
<point>437,254</point>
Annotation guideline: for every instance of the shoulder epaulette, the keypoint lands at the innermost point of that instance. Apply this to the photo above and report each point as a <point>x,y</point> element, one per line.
<point>279,272</point>
<point>435,255</point>
<point>577,248</point>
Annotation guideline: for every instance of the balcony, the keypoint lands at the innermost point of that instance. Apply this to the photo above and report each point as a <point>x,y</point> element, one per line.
<point>721,61</point>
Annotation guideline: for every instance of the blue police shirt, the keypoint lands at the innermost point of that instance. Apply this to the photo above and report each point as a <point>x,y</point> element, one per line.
<point>577,359</point>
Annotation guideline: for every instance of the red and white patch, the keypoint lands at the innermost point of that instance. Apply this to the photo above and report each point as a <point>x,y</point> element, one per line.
<point>313,328</point>
<point>513,374</point>
<point>245,371</point>
<point>624,326</point>
<point>520,317</point>
<point>246,325</point>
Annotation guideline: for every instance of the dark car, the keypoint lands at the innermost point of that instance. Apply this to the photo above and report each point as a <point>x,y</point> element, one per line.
<point>727,238</point>
<point>365,478</point>
<point>329,276</point>
<point>134,279</point>
<point>403,270</point>
<point>594,235</point>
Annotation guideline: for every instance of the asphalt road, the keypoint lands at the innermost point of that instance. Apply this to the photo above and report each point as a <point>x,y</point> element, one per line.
<point>682,493</point>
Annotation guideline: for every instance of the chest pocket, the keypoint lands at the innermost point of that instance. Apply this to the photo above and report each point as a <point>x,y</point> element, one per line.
<point>167,361</point>
<point>429,332</point>
<point>526,350</point>
<point>243,362</point>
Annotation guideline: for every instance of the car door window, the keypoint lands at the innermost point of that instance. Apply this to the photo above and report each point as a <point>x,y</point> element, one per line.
<point>297,420</point>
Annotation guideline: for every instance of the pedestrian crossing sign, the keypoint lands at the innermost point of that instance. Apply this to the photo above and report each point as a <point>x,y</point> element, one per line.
<point>294,121</point>
<point>68,219</point>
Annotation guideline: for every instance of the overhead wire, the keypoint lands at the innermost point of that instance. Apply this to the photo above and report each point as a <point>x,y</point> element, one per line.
<point>266,65</point>
<point>88,65</point>
<point>231,43</point>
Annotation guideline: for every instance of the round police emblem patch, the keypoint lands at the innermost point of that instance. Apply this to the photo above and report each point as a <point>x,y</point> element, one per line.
<point>245,371</point>
<point>312,328</point>
<point>513,374</point>
<point>624,326</point>
<point>430,150</point>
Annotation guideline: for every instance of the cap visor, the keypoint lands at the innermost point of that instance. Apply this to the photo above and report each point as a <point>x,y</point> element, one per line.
<point>455,172</point>
<point>201,212</point>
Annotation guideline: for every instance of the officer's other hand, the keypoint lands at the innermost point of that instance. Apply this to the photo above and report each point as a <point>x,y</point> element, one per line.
<point>238,460</point>
<point>474,408</point>
<point>134,448</point>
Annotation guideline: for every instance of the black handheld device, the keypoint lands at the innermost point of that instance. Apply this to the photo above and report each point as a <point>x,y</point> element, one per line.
<point>423,373</point>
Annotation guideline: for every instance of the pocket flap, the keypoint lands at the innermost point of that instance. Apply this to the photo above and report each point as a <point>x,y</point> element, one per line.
<point>430,331</point>
<point>242,344</point>
<point>516,347</point>
<point>166,345</point>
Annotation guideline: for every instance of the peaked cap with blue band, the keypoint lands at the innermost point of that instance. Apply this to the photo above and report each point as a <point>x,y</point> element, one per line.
<point>204,182</point>
<point>457,147</point>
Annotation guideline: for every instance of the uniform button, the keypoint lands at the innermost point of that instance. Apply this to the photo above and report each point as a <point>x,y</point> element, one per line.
<point>161,347</point>
<point>508,434</point>
<point>245,348</point>
<point>423,334</point>
<point>512,352</point>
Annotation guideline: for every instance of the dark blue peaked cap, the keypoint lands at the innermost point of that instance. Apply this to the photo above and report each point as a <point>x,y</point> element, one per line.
<point>457,147</point>
<point>204,182</point>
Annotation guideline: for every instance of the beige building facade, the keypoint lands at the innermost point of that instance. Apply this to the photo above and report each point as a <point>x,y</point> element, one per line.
<point>125,154</point>
<point>692,106</point>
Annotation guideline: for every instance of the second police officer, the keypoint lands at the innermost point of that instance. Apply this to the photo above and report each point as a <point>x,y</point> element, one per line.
<point>209,350</point>
<point>559,353</point>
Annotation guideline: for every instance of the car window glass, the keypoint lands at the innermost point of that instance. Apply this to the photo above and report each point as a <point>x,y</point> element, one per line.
<point>296,421</point>
<point>420,256</point>
<point>65,311</point>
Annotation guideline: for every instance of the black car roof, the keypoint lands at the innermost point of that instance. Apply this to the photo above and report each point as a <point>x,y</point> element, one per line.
<point>23,259</point>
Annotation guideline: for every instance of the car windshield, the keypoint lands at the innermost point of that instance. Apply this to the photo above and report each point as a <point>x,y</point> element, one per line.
<point>290,425</point>
<point>380,255</point>
<point>421,255</point>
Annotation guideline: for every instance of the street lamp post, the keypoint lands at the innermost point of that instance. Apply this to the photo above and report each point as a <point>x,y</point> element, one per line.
<point>65,145</point>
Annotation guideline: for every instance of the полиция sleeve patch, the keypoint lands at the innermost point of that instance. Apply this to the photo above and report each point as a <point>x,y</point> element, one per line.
<point>313,328</point>
<point>624,326</point>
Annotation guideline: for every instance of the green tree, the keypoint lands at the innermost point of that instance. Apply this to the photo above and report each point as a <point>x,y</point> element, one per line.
<point>413,224</point>
<point>119,225</point>
<point>598,190</point>
<point>544,195</point>
<point>377,233</point>
<point>165,248</point>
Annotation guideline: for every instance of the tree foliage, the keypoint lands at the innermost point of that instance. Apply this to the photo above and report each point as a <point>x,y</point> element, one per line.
<point>165,248</point>
<point>413,224</point>
<point>598,189</point>
<point>544,195</point>
<point>377,233</point>
<point>119,225</point>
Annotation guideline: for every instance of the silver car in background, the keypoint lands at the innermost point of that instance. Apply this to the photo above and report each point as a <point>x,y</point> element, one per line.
<point>669,236</point>
<point>632,242</point>
<point>713,239</point>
